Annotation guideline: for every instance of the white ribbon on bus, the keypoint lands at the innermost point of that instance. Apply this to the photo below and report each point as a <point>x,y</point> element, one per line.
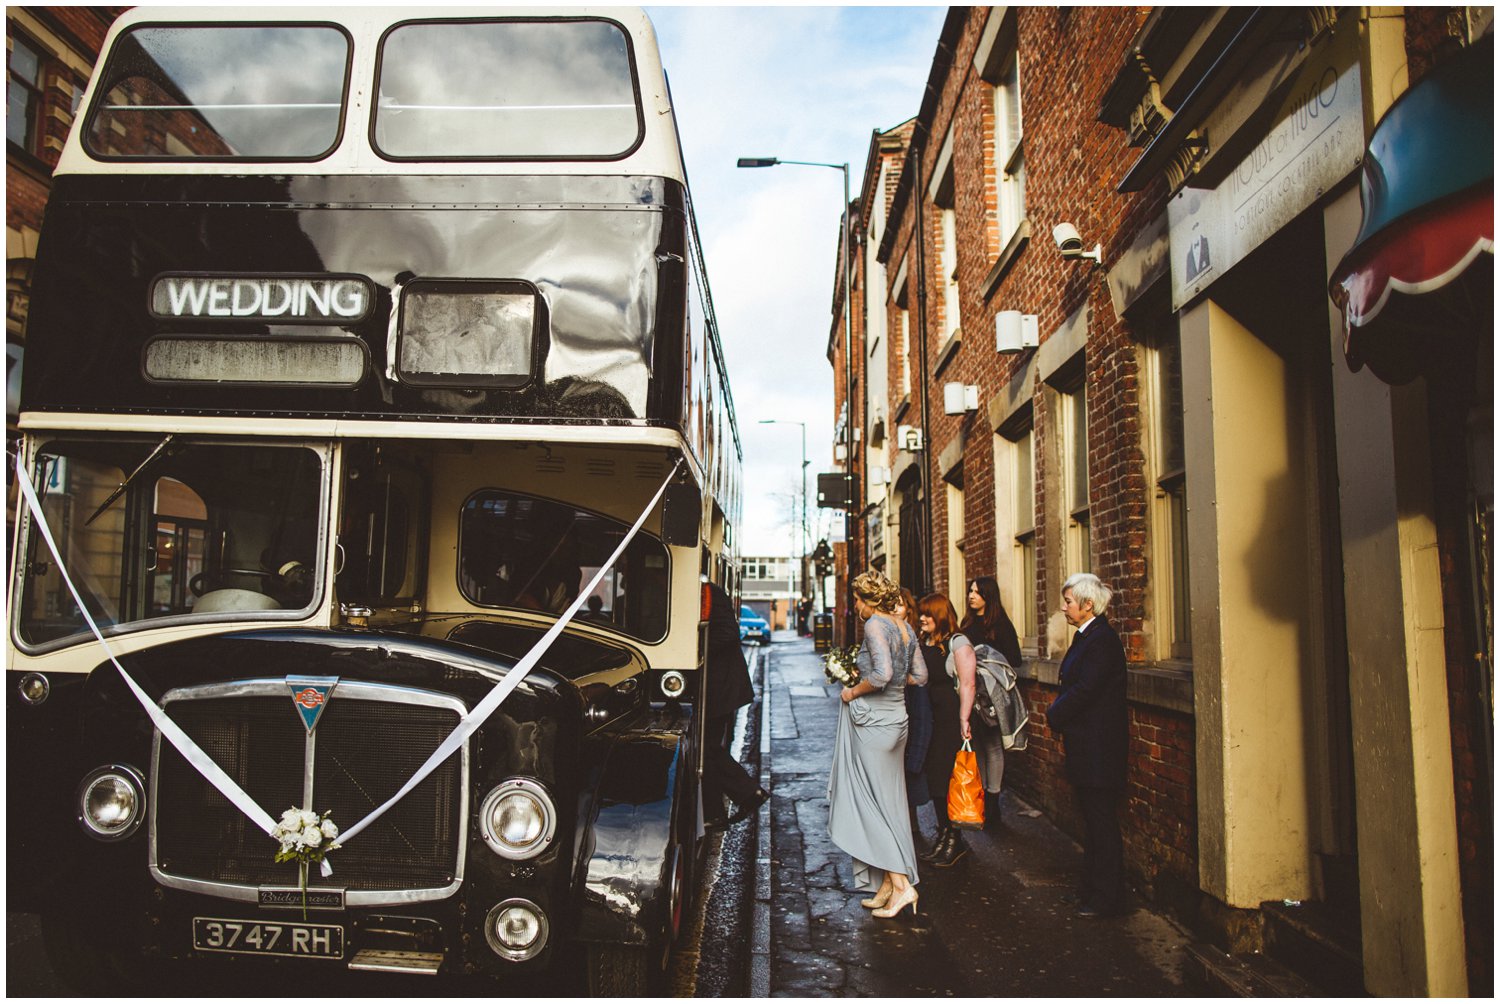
<point>226,785</point>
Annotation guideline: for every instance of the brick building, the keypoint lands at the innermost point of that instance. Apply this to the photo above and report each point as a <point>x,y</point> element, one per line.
<point>1178,414</point>
<point>50,52</point>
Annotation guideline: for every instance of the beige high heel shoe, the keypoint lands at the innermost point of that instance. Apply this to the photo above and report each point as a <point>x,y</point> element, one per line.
<point>876,901</point>
<point>901,902</point>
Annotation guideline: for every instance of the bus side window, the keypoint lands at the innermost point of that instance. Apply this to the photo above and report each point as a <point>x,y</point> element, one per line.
<point>377,535</point>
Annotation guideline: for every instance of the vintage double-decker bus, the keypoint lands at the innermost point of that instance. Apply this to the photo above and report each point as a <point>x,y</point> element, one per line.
<point>372,402</point>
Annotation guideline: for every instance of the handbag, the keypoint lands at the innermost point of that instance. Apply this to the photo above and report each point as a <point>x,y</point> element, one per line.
<point>965,791</point>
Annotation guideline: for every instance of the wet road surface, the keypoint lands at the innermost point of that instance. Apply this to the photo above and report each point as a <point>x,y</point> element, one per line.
<point>996,923</point>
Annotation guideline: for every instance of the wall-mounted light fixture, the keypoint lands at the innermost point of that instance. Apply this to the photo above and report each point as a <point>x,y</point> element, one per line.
<point>960,398</point>
<point>1015,331</point>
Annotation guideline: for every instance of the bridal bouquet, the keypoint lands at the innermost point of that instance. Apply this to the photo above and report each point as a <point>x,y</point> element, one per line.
<point>306,838</point>
<point>839,666</point>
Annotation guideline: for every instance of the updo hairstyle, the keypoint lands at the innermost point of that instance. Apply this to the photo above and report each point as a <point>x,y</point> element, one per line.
<point>877,590</point>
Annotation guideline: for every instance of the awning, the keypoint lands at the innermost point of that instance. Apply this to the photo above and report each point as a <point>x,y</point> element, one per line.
<point>1427,187</point>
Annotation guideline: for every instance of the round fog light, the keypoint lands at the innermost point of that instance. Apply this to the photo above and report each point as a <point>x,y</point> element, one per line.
<point>110,800</point>
<point>516,929</point>
<point>673,683</point>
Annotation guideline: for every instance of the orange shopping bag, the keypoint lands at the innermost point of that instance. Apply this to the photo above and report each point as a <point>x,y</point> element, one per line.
<point>965,792</point>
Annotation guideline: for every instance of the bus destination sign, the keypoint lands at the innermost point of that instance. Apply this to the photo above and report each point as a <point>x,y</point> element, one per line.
<point>305,299</point>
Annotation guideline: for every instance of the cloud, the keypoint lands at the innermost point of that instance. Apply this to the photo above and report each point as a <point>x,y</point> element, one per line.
<point>798,83</point>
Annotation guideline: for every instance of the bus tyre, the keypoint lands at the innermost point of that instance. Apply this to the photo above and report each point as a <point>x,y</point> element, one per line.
<point>623,971</point>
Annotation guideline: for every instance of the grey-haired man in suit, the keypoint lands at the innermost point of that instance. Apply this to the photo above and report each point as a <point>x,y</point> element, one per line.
<point>1090,713</point>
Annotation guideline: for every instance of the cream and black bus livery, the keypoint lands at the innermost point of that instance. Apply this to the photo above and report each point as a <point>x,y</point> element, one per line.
<point>371,378</point>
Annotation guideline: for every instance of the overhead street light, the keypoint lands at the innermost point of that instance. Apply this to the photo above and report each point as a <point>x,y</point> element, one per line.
<point>848,254</point>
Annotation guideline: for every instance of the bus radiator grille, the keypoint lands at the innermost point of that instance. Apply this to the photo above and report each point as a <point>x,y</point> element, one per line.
<point>362,752</point>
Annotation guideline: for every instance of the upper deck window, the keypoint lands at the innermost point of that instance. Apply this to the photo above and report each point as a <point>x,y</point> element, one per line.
<point>221,92</point>
<point>507,90</point>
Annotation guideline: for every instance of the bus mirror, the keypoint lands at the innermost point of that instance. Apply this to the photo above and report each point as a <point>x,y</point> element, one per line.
<point>681,512</point>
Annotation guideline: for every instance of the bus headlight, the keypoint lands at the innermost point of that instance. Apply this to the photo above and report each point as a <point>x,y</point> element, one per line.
<point>111,802</point>
<point>516,929</point>
<point>673,683</point>
<point>517,819</point>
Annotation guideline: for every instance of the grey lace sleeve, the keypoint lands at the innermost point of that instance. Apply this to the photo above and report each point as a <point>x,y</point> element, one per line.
<point>882,655</point>
<point>918,670</point>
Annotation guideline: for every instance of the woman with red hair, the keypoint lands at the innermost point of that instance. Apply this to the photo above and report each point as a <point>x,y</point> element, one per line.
<point>950,691</point>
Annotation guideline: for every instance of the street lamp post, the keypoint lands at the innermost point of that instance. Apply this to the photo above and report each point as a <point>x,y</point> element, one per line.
<point>803,539</point>
<point>853,482</point>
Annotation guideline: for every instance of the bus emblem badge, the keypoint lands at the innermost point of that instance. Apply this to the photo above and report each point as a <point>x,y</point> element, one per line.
<point>310,695</point>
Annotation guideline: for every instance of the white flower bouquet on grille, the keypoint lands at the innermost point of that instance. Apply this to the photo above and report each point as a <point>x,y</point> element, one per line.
<point>306,838</point>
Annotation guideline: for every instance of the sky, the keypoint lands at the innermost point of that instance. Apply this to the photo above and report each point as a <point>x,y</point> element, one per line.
<point>796,83</point>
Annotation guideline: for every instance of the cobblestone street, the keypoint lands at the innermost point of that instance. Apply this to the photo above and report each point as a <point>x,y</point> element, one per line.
<point>997,923</point>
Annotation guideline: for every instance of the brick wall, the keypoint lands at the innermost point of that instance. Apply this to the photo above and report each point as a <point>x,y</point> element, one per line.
<point>1073,161</point>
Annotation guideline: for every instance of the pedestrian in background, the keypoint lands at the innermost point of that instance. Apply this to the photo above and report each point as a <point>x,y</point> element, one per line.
<point>1090,713</point>
<point>919,719</point>
<point>729,689</point>
<point>988,624</point>
<point>867,812</point>
<point>950,689</point>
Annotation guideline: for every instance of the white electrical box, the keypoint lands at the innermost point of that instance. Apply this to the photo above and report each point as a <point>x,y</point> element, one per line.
<point>959,398</point>
<point>1015,331</point>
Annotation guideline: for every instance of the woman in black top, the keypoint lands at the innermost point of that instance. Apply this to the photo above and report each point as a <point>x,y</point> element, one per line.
<point>988,624</point>
<point>919,722</point>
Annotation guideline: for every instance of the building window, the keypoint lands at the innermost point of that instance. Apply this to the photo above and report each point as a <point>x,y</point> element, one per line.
<point>948,264</point>
<point>1169,502</point>
<point>1025,535</point>
<point>1073,438</point>
<point>1015,524</point>
<point>905,323</point>
<point>958,582</point>
<point>23,95</point>
<point>1010,160</point>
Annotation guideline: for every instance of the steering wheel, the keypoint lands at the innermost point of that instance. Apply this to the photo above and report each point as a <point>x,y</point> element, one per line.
<point>200,583</point>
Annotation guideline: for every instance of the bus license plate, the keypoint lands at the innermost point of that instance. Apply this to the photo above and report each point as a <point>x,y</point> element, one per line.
<point>303,941</point>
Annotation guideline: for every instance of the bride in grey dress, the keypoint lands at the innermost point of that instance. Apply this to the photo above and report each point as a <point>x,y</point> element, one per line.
<point>867,814</point>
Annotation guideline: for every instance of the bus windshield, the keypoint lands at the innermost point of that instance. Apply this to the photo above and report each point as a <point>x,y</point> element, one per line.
<point>538,554</point>
<point>221,92</point>
<point>507,90</point>
<point>198,530</point>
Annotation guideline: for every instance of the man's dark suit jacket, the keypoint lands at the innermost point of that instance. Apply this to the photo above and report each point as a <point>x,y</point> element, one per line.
<point>729,687</point>
<point>1090,710</point>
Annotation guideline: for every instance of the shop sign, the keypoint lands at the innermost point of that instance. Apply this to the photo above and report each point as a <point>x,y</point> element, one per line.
<point>1316,140</point>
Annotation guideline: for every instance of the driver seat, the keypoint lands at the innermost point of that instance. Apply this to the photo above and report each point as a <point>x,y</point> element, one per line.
<point>226,600</point>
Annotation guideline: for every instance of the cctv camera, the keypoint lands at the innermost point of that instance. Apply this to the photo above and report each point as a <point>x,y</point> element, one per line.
<point>1068,241</point>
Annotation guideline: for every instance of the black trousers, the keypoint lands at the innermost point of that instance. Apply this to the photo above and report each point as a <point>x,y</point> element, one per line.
<point>1103,879</point>
<point>723,774</point>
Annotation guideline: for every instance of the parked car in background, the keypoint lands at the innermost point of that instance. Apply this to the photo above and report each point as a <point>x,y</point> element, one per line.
<point>753,627</point>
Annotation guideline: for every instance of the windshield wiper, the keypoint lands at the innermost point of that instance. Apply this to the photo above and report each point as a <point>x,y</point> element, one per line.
<point>115,495</point>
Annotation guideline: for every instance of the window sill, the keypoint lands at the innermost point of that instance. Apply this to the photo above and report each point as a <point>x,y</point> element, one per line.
<point>1167,685</point>
<point>948,351</point>
<point>29,162</point>
<point>1008,257</point>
